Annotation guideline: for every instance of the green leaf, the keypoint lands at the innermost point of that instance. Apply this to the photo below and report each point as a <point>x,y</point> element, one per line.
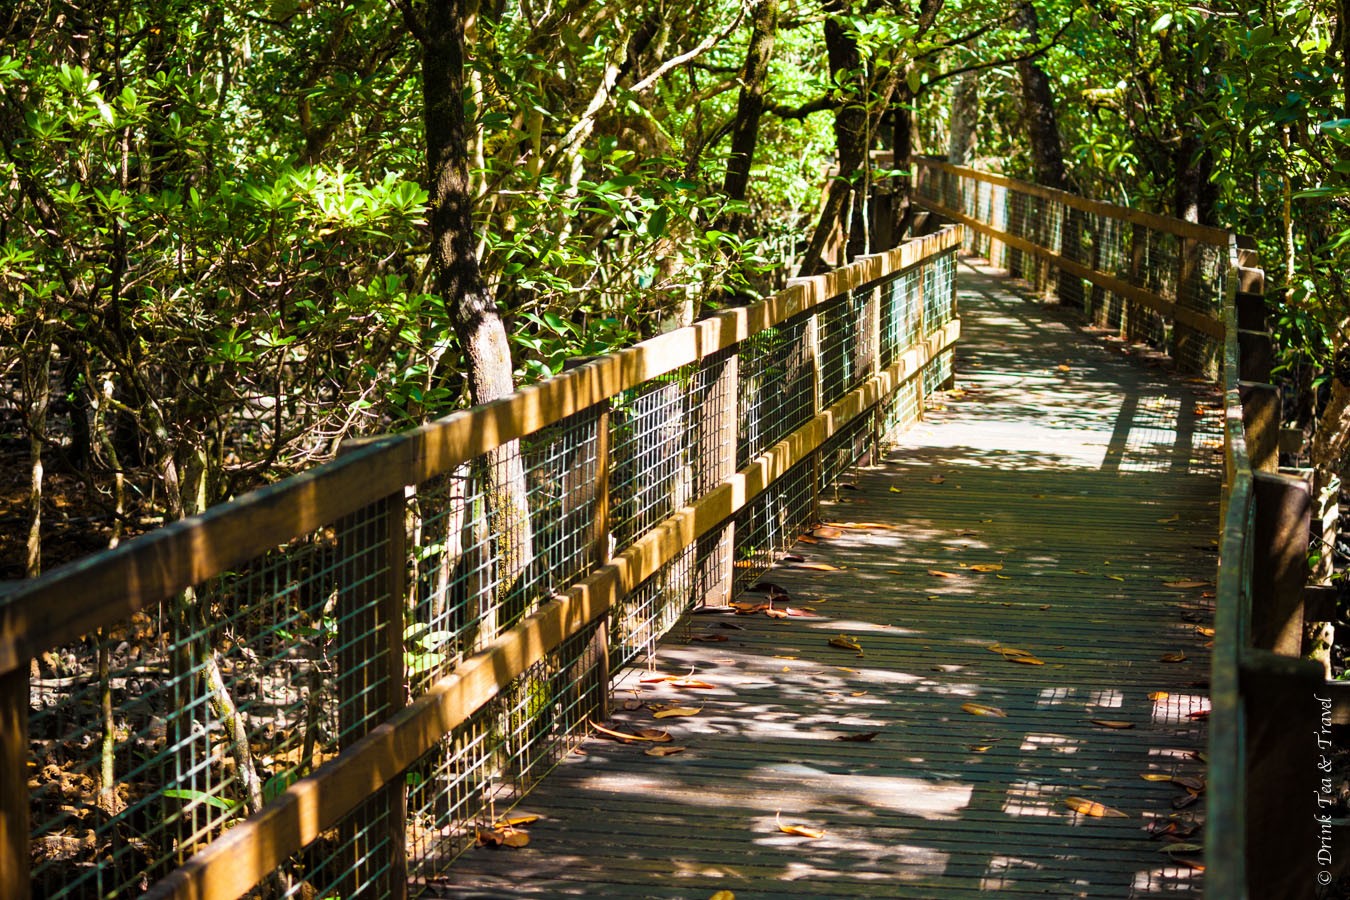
<point>1163,22</point>
<point>656,225</point>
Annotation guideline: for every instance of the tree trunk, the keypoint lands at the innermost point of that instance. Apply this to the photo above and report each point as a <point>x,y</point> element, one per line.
<point>1047,157</point>
<point>964,118</point>
<point>38,390</point>
<point>473,313</point>
<point>850,136</point>
<point>749,108</point>
<point>902,151</point>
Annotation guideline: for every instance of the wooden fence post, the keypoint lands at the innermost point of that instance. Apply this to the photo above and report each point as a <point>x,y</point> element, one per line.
<point>600,549</point>
<point>372,545</point>
<point>1280,563</point>
<point>14,875</point>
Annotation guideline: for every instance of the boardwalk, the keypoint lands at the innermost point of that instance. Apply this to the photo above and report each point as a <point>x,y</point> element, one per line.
<point>1091,478</point>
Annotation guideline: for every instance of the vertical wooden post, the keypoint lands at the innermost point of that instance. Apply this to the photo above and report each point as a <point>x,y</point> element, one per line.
<point>1187,343</point>
<point>1280,563</point>
<point>873,313</point>
<point>14,877</point>
<point>373,548</point>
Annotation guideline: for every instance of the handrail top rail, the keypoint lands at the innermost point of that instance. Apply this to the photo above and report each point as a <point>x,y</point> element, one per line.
<point>1181,228</point>
<point>85,594</point>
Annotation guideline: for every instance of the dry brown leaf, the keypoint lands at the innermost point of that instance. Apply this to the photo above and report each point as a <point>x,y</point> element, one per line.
<point>678,711</point>
<point>1174,517</point>
<point>818,567</point>
<point>1186,584</point>
<point>872,525</point>
<point>709,638</point>
<point>1159,695</point>
<point>1111,723</point>
<point>776,613</point>
<point>1190,783</point>
<point>936,479</point>
<point>1181,847</point>
<point>665,751</point>
<point>845,642</point>
<point>987,567</point>
<point>691,684</point>
<point>979,709</point>
<point>938,573</point>
<point>858,737</point>
<point>1198,714</point>
<point>1063,368</point>
<point>1086,807</point>
<point>1024,659</point>
<point>807,539</point>
<point>1173,657</point>
<point>651,735</point>
<point>486,837</point>
<point>826,532</point>
<point>513,821</point>
<point>1204,631</point>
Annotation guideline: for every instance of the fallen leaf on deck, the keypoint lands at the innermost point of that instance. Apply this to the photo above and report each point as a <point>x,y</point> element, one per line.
<point>691,683</point>
<point>938,573</point>
<point>797,612</point>
<point>723,895</point>
<point>936,479</point>
<point>807,539</point>
<point>979,709</point>
<point>1155,776</point>
<point>1186,584</point>
<point>632,704</point>
<point>858,737</point>
<point>514,838</point>
<point>793,557</point>
<point>1159,695</point>
<point>709,638</point>
<point>678,711</point>
<point>827,532</point>
<point>980,748</point>
<point>987,567</point>
<point>1086,807</point>
<point>845,642</point>
<point>1111,723</point>
<point>745,608</point>
<point>895,490</point>
<point>1181,848</point>
<point>513,821</point>
<point>1045,607</point>
<point>488,838</point>
<point>1204,631</point>
<point>1006,651</point>
<point>818,567</point>
<point>664,751</point>
<point>1190,783</point>
<point>1174,517</point>
<point>1199,714</point>
<point>1115,577</point>
<point>1063,369</point>
<point>1026,660</point>
<point>650,735</point>
<point>1173,657</point>
<point>1185,800</point>
<point>776,613</point>
<point>799,830</point>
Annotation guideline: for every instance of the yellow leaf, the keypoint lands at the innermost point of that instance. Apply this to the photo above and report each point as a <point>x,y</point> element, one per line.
<point>980,748</point>
<point>799,830</point>
<point>664,751</point>
<point>1115,577</point>
<point>1027,660</point>
<point>937,479</point>
<point>987,567</point>
<point>895,490</point>
<point>723,895</point>
<point>938,573</point>
<point>1175,517</point>
<point>1173,657</point>
<point>678,711</point>
<point>1006,651</point>
<point>1093,808</point>
<point>1186,584</point>
<point>845,642</point>
<point>1159,695</point>
<point>1063,368</point>
<point>1111,723</point>
<point>979,709</point>
<point>515,838</point>
<point>691,683</point>
<point>513,821</point>
<point>818,567</point>
<point>1155,776</point>
<point>1202,630</point>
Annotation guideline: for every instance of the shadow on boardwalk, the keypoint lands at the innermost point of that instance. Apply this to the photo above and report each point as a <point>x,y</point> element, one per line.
<point>1084,485</point>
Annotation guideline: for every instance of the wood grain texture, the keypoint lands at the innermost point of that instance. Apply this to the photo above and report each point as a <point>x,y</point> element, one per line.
<point>1062,478</point>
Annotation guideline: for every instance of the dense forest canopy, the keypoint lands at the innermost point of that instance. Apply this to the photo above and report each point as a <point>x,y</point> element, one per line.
<point>232,235</point>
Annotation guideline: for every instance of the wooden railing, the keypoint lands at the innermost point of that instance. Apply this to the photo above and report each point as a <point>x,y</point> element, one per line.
<point>1194,293</point>
<point>330,684</point>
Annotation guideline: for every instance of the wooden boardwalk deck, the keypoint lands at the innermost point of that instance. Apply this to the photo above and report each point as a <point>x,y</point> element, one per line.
<point>1092,478</point>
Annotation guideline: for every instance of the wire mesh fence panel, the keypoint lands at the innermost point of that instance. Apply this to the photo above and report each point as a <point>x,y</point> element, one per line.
<point>777,384</point>
<point>844,344</point>
<point>459,792</point>
<point>901,311</point>
<point>192,716</point>
<point>650,474</point>
<point>638,621</point>
<point>770,523</point>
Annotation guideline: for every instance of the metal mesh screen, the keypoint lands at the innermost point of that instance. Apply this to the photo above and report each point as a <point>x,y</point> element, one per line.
<point>211,705</point>
<point>776,386</point>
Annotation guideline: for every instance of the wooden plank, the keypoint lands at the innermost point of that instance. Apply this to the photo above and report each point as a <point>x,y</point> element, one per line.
<point>1279,562</point>
<point>14,880</point>
<point>1167,224</point>
<point>81,596</point>
<point>1197,320</point>
<point>1261,413</point>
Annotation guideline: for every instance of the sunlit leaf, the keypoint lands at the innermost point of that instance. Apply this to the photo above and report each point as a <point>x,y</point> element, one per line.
<point>1173,657</point>
<point>979,709</point>
<point>1026,660</point>
<point>1186,584</point>
<point>664,751</point>
<point>895,490</point>
<point>1155,776</point>
<point>799,830</point>
<point>858,737</point>
<point>1159,695</point>
<point>1111,723</point>
<point>514,821</point>
<point>1181,848</point>
<point>515,838</point>
<point>987,567</point>
<point>1175,517</point>
<point>938,573</point>
<point>678,711</point>
<point>723,895</point>
<point>845,642</point>
<point>1115,577</point>
<point>818,567</point>
<point>1087,807</point>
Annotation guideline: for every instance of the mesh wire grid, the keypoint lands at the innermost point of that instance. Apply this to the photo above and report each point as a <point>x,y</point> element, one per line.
<point>776,388</point>
<point>215,702</point>
<point>845,343</point>
<point>650,466</point>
